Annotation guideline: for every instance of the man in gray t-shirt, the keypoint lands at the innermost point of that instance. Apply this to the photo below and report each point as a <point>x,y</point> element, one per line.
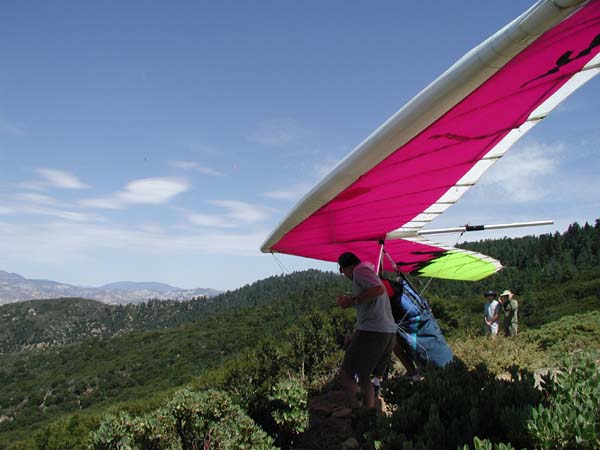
<point>371,346</point>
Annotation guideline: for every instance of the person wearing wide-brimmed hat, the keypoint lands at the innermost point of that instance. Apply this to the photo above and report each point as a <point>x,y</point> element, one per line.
<point>510,306</point>
<point>491,314</point>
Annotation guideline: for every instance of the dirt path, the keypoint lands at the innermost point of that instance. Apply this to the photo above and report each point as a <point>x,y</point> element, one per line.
<point>330,424</point>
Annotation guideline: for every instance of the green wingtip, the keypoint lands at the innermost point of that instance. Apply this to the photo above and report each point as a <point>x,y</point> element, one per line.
<point>458,265</point>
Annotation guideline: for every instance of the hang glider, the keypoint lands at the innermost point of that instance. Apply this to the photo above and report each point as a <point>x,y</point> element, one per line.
<point>427,155</point>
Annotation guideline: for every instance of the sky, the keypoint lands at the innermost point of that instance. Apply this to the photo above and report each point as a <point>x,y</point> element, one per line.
<point>164,141</point>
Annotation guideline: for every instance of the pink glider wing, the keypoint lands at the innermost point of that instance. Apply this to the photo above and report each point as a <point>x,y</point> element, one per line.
<point>427,155</point>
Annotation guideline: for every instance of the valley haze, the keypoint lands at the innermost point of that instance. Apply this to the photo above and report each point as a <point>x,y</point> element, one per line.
<point>16,288</point>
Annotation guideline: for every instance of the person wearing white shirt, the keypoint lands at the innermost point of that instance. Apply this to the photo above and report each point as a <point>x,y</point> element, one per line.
<point>491,314</point>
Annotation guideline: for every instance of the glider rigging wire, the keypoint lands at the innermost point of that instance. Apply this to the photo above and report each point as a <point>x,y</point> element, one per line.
<point>284,269</point>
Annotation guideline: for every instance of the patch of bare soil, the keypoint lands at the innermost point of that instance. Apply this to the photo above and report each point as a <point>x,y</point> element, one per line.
<point>330,425</point>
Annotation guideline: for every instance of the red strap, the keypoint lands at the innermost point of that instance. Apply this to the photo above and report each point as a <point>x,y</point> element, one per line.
<point>388,287</point>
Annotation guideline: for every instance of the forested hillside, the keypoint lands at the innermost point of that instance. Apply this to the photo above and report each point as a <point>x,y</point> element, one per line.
<point>258,352</point>
<point>40,384</point>
<point>46,323</point>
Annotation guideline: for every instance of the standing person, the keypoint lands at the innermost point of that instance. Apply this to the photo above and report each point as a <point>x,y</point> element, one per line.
<point>510,306</point>
<point>491,314</point>
<point>371,345</point>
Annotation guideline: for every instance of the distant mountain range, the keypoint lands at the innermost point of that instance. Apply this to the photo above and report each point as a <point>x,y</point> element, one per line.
<point>15,288</point>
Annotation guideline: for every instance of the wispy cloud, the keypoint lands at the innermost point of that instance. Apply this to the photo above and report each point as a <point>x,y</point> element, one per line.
<point>35,198</point>
<point>278,133</point>
<point>517,176</point>
<point>53,178</point>
<point>144,191</point>
<point>41,205</point>
<point>293,192</point>
<point>190,165</point>
<point>20,210</point>
<point>243,212</point>
<point>235,214</point>
<point>532,182</point>
<point>314,172</point>
<point>61,179</point>
<point>211,221</point>
<point>60,242</point>
<point>62,214</point>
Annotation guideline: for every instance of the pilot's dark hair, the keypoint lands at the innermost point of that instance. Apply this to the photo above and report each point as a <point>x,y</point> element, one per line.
<point>348,259</point>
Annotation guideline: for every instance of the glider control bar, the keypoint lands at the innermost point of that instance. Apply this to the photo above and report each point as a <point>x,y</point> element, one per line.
<point>407,233</point>
<point>483,227</point>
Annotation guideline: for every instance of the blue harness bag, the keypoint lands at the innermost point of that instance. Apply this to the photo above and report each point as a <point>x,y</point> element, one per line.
<point>417,329</point>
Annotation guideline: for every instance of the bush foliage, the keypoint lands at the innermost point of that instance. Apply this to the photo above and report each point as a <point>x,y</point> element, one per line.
<point>289,406</point>
<point>191,420</point>
<point>569,416</point>
<point>457,406</point>
<point>454,405</point>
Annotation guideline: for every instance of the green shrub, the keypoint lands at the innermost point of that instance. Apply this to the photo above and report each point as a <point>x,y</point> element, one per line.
<point>191,420</point>
<point>570,333</point>
<point>249,378</point>
<point>125,432</point>
<point>569,417</point>
<point>453,405</point>
<point>313,352</point>
<point>68,434</point>
<point>289,406</point>
<point>211,418</point>
<point>113,433</point>
<point>456,405</point>
<point>500,353</point>
<point>309,340</point>
<point>484,444</point>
